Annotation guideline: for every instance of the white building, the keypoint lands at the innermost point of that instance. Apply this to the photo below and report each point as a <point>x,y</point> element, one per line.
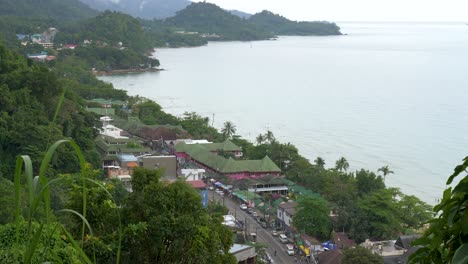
<point>285,214</point>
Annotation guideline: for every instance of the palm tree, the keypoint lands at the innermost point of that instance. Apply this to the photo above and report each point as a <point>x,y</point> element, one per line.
<point>269,137</point>
<point>320,162</point>
<point>342,164</point>
<point>260,139</point>
<point>228,130</point>
<point>385,170</point>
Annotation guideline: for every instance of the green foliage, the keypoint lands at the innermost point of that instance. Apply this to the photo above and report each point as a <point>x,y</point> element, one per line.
<point>446,239</point>
<point>199,127</point>
<point>228,130</point>
<point>279,25</point>
<point>78,78</point>
<point>30,93</point>
<point>209,18</point>
<point>53,245</point>
<point>360,255</point>
<point>61,10</point>
<point>368,182</point>
<point>162,35</point>
<point>7,201</point>
<point>168,224</point>
<point>108,29</point>
<point>342,164</point>
<point>110,58</point>
<point>312,217</point>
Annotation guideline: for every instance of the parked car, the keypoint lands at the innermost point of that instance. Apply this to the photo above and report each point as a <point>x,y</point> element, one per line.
<point>263,224</point>
<point>243,206</point>
<point>274,233</point>
<point>211,188</point>
<point>290,249</point>
<point>250,210</point>
<point>254,214</point>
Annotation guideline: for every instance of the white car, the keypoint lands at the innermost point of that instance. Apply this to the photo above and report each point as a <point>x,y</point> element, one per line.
<point>243,207</point>
<point>211,188</point>
<point>290,249</point>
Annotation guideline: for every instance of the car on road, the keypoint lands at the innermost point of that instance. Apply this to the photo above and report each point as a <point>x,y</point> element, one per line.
<point>243,206</point>
<point>254,214</point>
<point>220,192</point>
<point>274,233</point>
<point>290,249</point>
<point>250,210</point>
<point>283,238</point>
<point>263,224</point>
<point>211,188</point>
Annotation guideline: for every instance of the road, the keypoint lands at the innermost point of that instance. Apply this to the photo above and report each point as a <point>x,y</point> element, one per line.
<point>263,235</point>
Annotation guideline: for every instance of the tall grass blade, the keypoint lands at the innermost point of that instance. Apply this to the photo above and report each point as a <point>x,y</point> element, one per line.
<point>28,172</point>
<point>84,221</point>
<point>32,245</point>
<point>43,180</point>
<point>54,119</point>
<point>76,246</point>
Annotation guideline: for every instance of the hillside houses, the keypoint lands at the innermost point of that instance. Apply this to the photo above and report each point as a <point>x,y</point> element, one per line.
<point>204,156</point>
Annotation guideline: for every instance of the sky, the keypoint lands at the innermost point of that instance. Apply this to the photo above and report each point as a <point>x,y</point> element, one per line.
<point>356,10</point>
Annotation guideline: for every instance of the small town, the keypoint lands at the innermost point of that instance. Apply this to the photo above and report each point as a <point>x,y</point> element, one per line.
<point>224,132</point>
<point>255,192</point>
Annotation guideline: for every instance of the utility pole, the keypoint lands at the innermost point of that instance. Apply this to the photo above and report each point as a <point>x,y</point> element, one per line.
<point>212,121</point>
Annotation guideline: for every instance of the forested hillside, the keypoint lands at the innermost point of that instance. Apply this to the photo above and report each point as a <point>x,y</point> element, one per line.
<point>211,19</point>
<point>280,25</point>
<point>30,95</point>
<point>62,10</point>
<point>147,9</point>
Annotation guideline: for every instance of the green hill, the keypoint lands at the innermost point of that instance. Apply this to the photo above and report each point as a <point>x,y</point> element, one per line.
<point>61,10</point>
<point>147,9</point>
<point>108,28</point>
<point>280,25</point>
<point>210,19</point>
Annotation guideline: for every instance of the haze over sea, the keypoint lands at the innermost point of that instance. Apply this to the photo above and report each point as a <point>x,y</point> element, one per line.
<point>386,93</point>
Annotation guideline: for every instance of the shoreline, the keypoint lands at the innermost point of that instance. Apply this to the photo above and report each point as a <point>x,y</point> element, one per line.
<point>129,71</point>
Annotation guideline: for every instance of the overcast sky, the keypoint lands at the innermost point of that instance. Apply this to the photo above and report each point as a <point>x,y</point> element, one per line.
<point>356,10</point>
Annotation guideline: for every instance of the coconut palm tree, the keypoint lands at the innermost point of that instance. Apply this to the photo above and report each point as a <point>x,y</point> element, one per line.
<point>260,139</point>
<point>228,130</point>
<point>270,137</point>
<point>342,164</point>
<point>320,162</point>
<point>385,170</point>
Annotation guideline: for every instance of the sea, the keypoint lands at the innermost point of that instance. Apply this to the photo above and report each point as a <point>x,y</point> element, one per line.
<point>391,94</point>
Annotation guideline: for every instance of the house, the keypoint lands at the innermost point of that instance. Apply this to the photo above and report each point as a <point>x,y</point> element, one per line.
<point>38,56</point>
<point>244,254</point>
<point>70,46</point>
<point>205,157</point>
<point>47,45</point>
<point>167,163</point>
<point>193,174</point>
<point>342,241</point>
<point>269,185</point>
<point>227,147</point>
<point>330,257</point>
<point>285,214</point>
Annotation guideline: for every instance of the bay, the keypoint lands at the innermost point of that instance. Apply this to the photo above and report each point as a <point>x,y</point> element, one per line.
<point>385,93</point>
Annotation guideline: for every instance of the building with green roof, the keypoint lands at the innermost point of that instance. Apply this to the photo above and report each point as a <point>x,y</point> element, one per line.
<point>204,155</point>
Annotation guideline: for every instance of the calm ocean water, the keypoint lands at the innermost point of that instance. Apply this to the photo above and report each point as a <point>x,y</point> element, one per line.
<point>386,93</point>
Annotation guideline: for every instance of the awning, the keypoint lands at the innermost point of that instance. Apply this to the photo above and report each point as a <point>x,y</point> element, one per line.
<point>217,184</point>
<point>305,250</point>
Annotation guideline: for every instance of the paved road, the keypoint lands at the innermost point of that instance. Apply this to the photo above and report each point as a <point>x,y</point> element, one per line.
<point>263,235</point>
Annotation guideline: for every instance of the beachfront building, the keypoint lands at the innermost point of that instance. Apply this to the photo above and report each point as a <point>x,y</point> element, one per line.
<point>206,158</point>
